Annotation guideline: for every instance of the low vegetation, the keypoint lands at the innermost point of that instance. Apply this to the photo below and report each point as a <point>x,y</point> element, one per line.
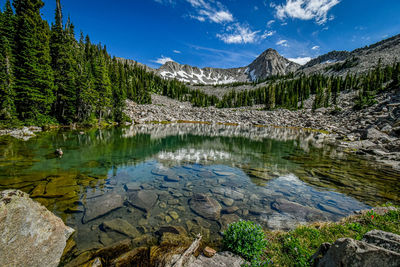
<point>246,239</point>
<point>295,248</point>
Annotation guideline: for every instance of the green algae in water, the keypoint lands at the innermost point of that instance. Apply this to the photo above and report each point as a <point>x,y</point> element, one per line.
<point>273,176</point>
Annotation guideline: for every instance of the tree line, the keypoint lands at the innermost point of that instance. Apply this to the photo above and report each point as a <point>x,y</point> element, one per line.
<point>48,76</point>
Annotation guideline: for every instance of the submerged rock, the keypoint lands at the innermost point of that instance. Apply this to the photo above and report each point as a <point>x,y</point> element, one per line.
<point>299,211</point>
<point>102,205</point>
<point>120,226</point>
<point>30,234</point>
<point>144,199</point>
<point>205,206</point>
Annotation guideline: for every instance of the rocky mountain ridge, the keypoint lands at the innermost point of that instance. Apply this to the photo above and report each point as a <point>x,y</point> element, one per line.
<point>357,61</point>
<point>269,63</point>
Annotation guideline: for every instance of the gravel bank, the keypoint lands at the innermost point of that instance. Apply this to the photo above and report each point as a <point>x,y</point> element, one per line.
<point>374,131</point>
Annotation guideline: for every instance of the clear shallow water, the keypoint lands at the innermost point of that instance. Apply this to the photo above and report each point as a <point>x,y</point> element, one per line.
<point>115,183</point>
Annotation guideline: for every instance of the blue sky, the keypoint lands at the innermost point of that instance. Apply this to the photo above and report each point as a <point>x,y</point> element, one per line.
<point>229,33</point>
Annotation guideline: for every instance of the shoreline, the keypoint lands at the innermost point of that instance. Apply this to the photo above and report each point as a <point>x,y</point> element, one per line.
<point>373,132</point>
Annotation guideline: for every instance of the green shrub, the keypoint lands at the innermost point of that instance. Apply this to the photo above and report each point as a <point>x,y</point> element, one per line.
<point>247,239</point>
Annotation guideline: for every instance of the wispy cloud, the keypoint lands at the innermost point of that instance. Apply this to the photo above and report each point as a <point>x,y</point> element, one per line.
<point>283,43</point>
<point>306,10</point>
<point>162,60</point>
<point>300,60</point>
<point>239,34</point>
<point>177,52</point>
<point>315,47</point>
<point>210,10</point>
<point>270,22</point>
<point>267,34</point>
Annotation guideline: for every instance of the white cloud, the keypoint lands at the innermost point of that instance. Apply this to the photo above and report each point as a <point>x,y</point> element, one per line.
<point>306,10</point>
<point>269,23</point>
<point>177,52</point>
<point>300,60</point>
<point>162,60</point>
<point>267,34</point>
<point>210,10</point>
<point>283,43</point>
<point>315,47</point>
<point>239,35</point>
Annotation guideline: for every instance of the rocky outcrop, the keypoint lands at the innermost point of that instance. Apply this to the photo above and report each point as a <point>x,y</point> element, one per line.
<point>30,234</point>
<point>270,63</point>
<point>377,248</point>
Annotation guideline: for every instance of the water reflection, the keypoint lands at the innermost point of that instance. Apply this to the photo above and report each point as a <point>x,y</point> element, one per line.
<point>198,178</point>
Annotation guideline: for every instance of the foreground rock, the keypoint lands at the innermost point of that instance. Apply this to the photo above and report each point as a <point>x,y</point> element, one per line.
<point>377,248</point>
<point>30,235</point>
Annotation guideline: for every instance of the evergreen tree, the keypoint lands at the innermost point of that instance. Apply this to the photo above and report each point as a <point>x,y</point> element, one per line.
<point>395,84</point>
<point>62,49</point>
<point>33,73</point>
<point>7,24</point>
<point>7,107</point>
<point>103,88</point>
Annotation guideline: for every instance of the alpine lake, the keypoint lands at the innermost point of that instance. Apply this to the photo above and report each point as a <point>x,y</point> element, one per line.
<point>140,181</point>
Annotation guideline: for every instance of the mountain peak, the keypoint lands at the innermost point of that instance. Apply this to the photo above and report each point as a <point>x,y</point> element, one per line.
<point>270,63</point>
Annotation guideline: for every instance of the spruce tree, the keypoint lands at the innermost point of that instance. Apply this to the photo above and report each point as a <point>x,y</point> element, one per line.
<point>7,24</point>
<point>7,107</point>
<point>33,73</point>
<point>62,50</point>
<point>103,88</point>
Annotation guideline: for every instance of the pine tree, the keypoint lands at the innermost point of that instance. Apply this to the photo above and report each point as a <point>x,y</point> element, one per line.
<point>33,73</point>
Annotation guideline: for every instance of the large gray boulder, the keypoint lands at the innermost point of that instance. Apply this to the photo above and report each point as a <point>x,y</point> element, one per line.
<point>383,239</point>
<point>30,235</point>
<point>377,248</point>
